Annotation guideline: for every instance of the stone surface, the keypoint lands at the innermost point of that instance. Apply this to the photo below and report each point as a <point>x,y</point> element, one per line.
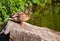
<point>30,32</point>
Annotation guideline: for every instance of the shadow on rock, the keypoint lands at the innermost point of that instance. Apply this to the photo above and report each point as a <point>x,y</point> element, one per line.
<point>4,37</point>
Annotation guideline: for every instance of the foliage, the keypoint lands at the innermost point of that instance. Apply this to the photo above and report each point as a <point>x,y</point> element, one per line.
<point>45,12</point>
<point>8,7</point>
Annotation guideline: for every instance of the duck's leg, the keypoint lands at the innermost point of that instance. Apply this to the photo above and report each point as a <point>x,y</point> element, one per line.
<point>21,23</point>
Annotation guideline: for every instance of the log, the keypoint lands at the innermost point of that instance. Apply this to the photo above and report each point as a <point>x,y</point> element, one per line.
<point>30,32</point>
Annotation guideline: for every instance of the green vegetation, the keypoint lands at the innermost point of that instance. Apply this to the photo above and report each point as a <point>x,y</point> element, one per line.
<point>8,7</point>
<point>44,12</point>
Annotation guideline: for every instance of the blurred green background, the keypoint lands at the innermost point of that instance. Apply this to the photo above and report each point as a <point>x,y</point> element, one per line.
<point>45,13</point>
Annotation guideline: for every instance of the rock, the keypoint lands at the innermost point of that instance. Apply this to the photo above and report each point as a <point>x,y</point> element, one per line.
<point>30,33</point>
